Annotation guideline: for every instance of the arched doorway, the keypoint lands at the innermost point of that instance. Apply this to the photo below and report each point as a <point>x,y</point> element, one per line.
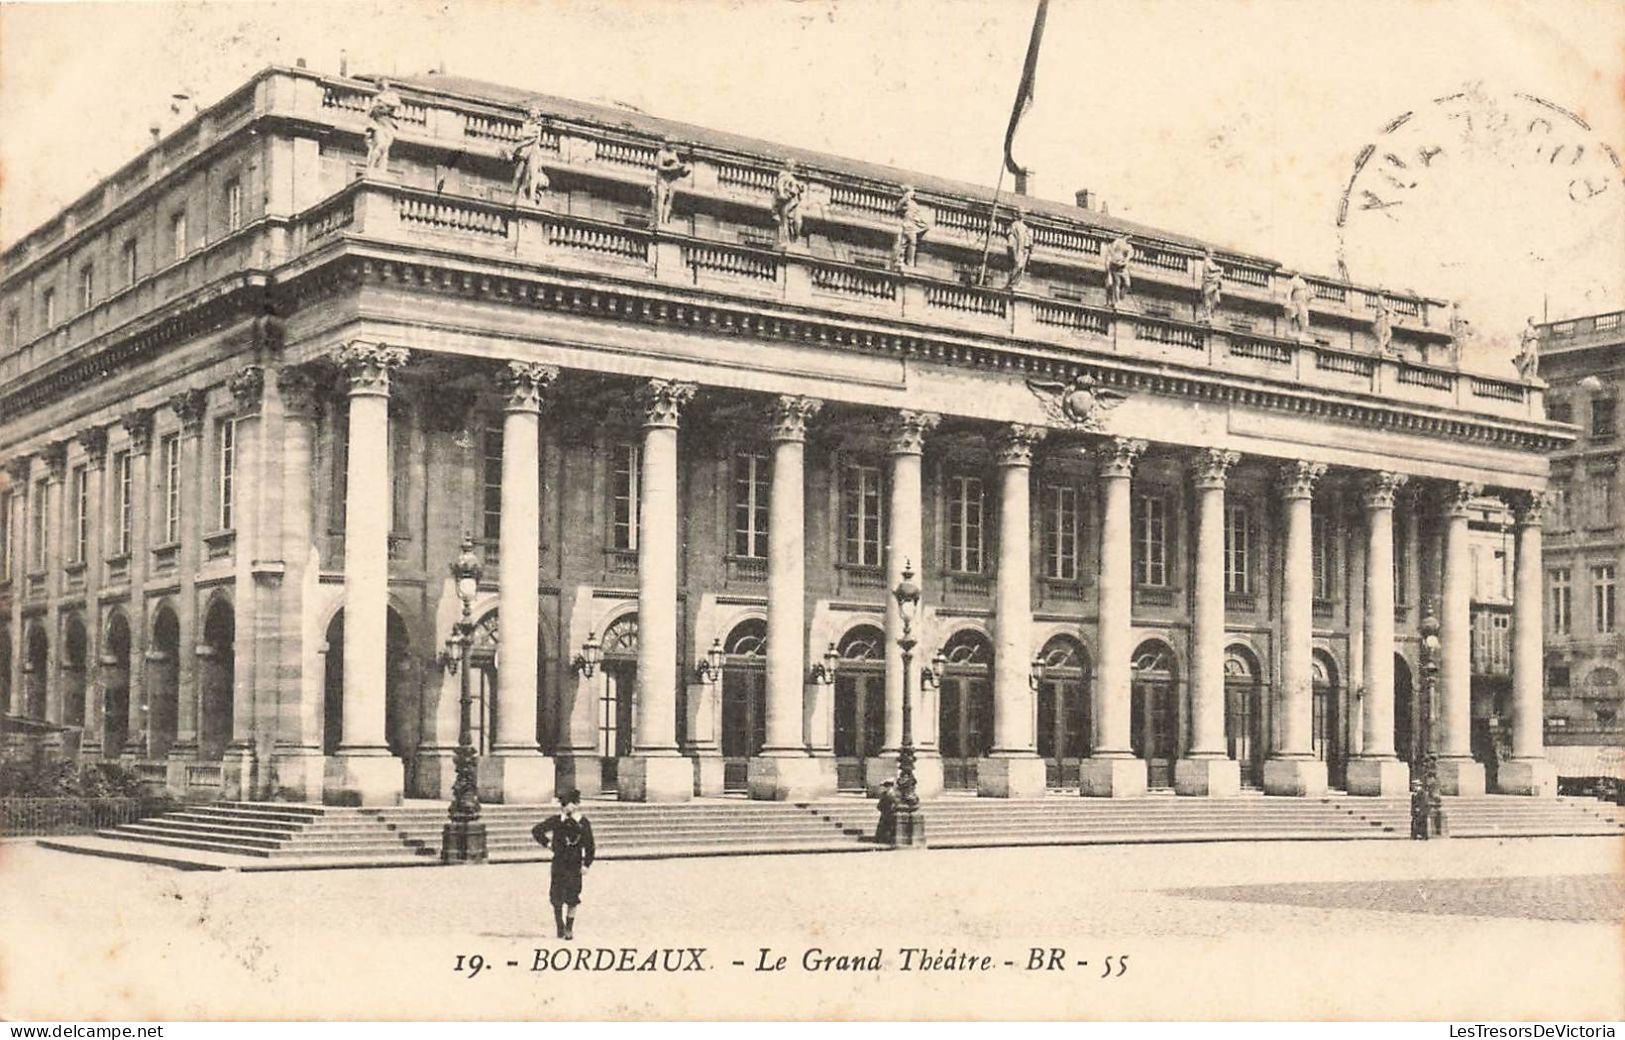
<point>400,716</point>
<point>618,696</point>
<point>483,654</point>
<point>163,682</point>
<point>75,649</point>
<point>744,701</point>
<point>35,664</point>
<point>1153,717</point>
<point>1244,713</point>
<point>965,707</point>
<point>860,703</point>
<point>215,673</point>
<point>1405,722</point>
<point>115,664</point>
<point>1326,732</point>
<point>1063,710</point>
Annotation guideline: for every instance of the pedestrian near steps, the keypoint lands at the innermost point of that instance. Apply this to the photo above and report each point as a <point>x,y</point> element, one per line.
<point>886,827</point>
<point>570,837</point>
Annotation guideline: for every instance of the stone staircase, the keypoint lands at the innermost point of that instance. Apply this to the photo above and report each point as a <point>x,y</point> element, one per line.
<point>299,835</point>
<point>1498,816</point>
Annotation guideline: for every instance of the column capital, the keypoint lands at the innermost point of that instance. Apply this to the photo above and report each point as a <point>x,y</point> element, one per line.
<point>298,388</point>
<point>368,366</point>
<point>788,416</point>
<point>1118,456</point>
<point>1015,443</point>
<point>1298,479</point>
<point>1529,507</point>
<point>525,383</point>
<point>56,459</point>
<point>189,406</point>
<point>247,388</point>
<point>1456,497</point>
<point>138,424</point>
<point>906,430</point>
<point>94,440</point>
<point>1380,489</point>
<point>662,401</point>
<point>1211,467</point>
<point>17,470</point>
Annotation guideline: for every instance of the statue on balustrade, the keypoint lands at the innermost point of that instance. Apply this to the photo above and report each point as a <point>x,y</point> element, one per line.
<point>1117,254</point>
<point>916,222</point>
<point>787,193</point>
<point>1212,284</point>
<point>1528,359</point>
<point>669,169</point>
<point>1298,297</point>
<point>1383,325</point>
<point>529,179</point>
<point>1461,330</point>
<point>1019,248</point>
<point>381,126</point>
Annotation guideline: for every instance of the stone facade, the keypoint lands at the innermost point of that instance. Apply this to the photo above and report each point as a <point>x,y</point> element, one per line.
<point>1161,544</point>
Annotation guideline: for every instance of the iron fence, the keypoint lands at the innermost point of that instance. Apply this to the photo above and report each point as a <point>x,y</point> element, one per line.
<point>39,817</point>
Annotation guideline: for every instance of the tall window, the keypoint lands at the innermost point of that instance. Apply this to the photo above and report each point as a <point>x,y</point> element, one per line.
<point>965,524</point>
<point>1562,602</point>
<point>1402,563</point>
<point>123,474</point>
<point>491,482</point>
<point>48,307</point>
<point>13,328</point>
<point>87,287</point>
<point>36,534</point>
<point>226,470</point>
<point>750,504</point>
<point>1559,508</point>
<point>860,494</point>
<point>5,536</point>
<point>170,453</point>
<point>129,263</point>
<point>627,460</point>
<point>1061,532</point>
<point>79,485</point>
<point>1238,544</point>
<point>234,204</point>
<point>1600,500</point>
<point>1602,418</point>
<point>1151,540</point>
<point>177,234</point>
<point>1602,599</point>
<point>400,469</point>
<point>1320,541</point>
<point>341,464</point>
<point>1559,411</point>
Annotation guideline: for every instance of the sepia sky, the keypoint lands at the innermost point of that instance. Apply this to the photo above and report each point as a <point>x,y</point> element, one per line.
<point>1234,120</point>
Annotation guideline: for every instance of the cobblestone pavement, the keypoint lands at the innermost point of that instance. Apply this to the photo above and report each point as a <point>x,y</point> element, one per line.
<point>1227,930</point>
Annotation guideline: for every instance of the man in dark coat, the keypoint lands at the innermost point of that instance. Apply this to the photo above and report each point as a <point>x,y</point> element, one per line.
<point>570,836</point>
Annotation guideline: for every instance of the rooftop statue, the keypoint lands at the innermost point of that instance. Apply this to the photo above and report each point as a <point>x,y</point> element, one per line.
<point>529,179</point>
<point>669,169</point>
<point>1117,254</point>
<point>1019,247</point>
<point>1528,359</point>
<point>381,126</point>
<point>1298,297</point>
<point>916,222</point>
<point>1212,284</point>
<point>787,194</point>
<point>1383,325</point>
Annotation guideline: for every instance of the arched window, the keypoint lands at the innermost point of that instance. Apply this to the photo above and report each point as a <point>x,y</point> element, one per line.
<point>744,701</point>
<point>863,643</point>
<point>621,637</point>
<point>1244,713</point>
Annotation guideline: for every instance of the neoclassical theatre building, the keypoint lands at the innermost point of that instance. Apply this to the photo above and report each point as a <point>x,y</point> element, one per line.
<point>698,401</point>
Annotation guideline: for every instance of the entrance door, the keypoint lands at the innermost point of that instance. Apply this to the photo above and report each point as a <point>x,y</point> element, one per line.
<point>1063,711</point>
<point>860,704</point>
<point>1244,714</point>
<point>1327,729</point>
<point>965,707</point>
<point>1153,717</point>
<point>615,716</point>
<point>744,702</point>
<point>1404,711</point>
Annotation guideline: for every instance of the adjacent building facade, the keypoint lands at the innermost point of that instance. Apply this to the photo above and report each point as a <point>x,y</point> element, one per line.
<point>699,401</point>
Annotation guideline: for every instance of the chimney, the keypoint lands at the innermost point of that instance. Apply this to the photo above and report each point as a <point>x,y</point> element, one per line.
<point>1024,182</point>
<point>156,131</point>
<point>299,63</point>
<point>344,62</point>
<point>1087,199</point>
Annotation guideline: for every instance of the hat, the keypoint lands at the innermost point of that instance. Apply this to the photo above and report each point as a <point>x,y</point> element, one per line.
<point>570,797</point>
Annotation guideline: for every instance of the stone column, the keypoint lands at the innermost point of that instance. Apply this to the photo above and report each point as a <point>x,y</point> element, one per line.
<point>56,468</point>
<point>240,760</point>
<point>1207,769</point>
<point>1528,771</point>
<point>95,445</point>
<point>364,772</point>
<point>297,765</point>
<point>1113,771</point>
<point>784,770</point>
<point>17,470</point>
<point>905,434</point>
<point>1377,771</point>
<point>138,424</point>
<point>1293,769</point>
<point>189,406</point>
<point>1458,773</point>
<point>517,770</point>
<point>656,772</point>
<point>1013,769</point>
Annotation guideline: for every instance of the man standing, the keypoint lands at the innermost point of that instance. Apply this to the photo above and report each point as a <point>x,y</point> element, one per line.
<point>570,836</point>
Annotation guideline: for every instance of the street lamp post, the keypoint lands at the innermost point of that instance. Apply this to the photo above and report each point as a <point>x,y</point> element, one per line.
<point>1427,808</point>
<point>462,840</point>
<point>910,829</point>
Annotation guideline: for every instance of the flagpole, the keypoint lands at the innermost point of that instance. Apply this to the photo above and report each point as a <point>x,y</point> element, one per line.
<point>992,218</point>
<point>1024,100</point>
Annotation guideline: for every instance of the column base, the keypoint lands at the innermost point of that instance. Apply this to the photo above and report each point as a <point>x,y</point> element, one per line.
<point>927,774</point>
<point>1295,777</point>
<point>516,778</point>
<point>433,772</point>
<point>1379,777</point>
<point>238,774</point>
<point>1536,777</point>
<point>793,777</point>
<point>296,775</point>
<point>583,773</point>
<point>708,774</point>
<point>1013,776</point>
<point>1461,776</point>
<point>360,778</point>
<point>1218,777</point>
<point>1112,777</point>
<point>175,764</point>
<point>655,778</point>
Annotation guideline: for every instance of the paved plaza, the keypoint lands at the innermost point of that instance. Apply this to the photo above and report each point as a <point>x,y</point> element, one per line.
<point>1520,928</point>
